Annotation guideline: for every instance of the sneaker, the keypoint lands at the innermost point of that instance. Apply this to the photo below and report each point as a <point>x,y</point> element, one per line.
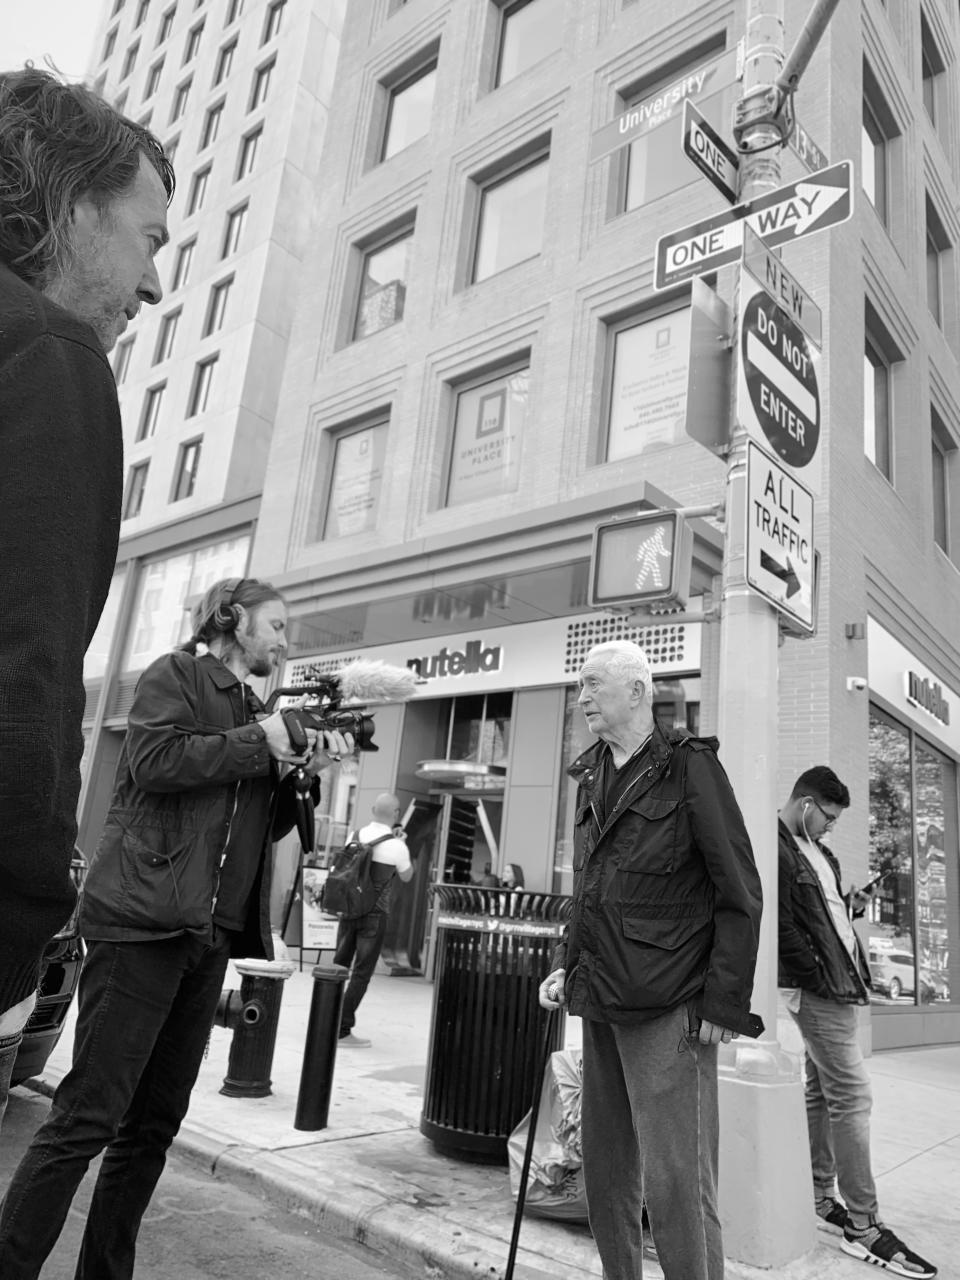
<point>831,1215</point>
<point>881,1248</point>
<point>350,1041</point>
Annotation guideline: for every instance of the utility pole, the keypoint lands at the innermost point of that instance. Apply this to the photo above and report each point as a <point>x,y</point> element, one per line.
<point>766,1197</point>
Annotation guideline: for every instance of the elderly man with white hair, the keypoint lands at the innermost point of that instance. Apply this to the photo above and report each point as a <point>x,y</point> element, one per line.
<point>658,961</point>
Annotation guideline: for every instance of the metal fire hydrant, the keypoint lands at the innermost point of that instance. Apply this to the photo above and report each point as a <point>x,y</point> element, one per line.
<point>252,1013</point>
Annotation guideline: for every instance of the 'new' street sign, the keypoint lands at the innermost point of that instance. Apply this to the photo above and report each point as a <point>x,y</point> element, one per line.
<point>780,556</point>
<point>767,269</point>
<point>708,151</point>
<point>800,208</point>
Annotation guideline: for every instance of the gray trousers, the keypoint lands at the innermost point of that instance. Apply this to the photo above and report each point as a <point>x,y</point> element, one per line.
<point>650,1131</point>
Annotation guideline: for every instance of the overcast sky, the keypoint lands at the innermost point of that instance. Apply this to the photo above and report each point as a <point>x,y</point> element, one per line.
<point>60,29</point>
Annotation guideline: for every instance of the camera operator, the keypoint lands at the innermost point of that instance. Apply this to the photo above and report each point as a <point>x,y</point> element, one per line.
<point>180,883</point>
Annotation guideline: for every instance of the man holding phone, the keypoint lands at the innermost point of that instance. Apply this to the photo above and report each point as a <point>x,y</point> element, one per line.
<point>823,975</point>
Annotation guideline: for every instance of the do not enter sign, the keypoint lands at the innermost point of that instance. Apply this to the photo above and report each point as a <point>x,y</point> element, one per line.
<point>778,398</point>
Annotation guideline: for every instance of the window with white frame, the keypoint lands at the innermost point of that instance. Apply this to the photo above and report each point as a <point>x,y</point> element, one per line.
<point>261,84</point>
<point>354,480</point>
<point>233,230</point>
<point>512,208</point>
<point>879,356</point>
<point>192,47</point>
<point>109,45</point>
<point>150,415</point>
<point>383,285</point>
<point>271,27</point>
<point>165,336</point>
<point>182,264</point>
<point>202,383</point>
<point>166,24</point>
<point>217,306</point>
<point>198,190</point>
<point>530,30</point>
<point>211,125</point>
<point>188,464</point>
<point>942,450</point>
<point>181,94</point>
<point>136,483</point>
<point>877,131</point>
<point>409,109</point>
<point>142,10</point>
<point>937,255</point>
<point>932,68</point>
<point>224,62</point>
<point>645,383</point>
<point>121,360</point>
<point>247,155</point>
<point>234,10</point>
<point>487,434</point>
<point>129,60</point>
<point>153,80</point>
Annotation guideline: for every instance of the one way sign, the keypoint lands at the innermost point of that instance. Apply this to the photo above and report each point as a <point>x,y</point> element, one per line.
<point>800,208</point>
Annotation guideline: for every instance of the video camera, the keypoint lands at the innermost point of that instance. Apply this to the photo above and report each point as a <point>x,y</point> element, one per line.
<point>327,714</point>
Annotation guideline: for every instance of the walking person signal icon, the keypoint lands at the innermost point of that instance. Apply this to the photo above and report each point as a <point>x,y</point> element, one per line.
<point>644,559</point>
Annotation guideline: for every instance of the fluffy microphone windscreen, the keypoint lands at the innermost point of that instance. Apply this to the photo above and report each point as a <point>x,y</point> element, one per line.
<point>370,680</point>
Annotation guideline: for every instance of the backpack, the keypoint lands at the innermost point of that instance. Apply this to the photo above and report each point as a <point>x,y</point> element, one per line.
<point>349,890</point>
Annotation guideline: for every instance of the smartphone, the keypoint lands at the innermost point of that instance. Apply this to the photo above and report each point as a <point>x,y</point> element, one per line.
<point>875,881</point>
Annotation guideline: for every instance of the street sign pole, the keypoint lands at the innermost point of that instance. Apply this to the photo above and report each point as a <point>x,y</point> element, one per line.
<point>765,1197</point>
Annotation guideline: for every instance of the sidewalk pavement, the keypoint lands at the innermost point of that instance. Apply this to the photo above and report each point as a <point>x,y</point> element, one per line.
<point>371,1177</point>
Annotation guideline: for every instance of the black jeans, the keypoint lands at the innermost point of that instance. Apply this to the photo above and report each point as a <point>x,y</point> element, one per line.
<point>145,1012</point>
<point>358,943</point>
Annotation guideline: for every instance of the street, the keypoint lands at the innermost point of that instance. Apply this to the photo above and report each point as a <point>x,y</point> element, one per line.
<point>199,1228</point>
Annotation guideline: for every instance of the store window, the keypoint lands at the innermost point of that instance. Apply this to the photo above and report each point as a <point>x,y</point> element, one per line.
<point>530,30</point>
<point>912,923</point>
<point>646,384</point>
<point>98,651</point>
<point>512,208</point>
<point>409,110</point>
<point>488,431</point>
<point>355,481</point>
<point>168,588</point>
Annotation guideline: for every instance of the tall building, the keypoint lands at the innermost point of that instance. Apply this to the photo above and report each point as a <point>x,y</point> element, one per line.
<point>480,369</point>
<point>239,92</point>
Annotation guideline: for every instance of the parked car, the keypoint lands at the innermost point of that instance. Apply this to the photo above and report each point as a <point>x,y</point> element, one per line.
<point>62,959</point>
<point>892,973</point>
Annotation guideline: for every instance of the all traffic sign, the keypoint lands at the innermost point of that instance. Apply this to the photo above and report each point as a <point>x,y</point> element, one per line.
<point>778,400</point>
<point>708,151</point>
<point>780,554</point>
<point>800,208</point>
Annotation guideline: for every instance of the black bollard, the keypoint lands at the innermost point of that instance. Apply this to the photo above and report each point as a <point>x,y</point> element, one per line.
<point>252,1013</point>
<point>320,1050</point>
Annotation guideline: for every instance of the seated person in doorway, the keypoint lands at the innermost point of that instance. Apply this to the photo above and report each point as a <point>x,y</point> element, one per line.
<point>359,941</point>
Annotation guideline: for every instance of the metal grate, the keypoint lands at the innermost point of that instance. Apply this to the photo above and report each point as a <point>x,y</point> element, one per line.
<point>666,644</point>
<point>307,672</point>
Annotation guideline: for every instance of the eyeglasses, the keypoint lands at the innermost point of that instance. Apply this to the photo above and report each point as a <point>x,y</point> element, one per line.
<point>830,819</point>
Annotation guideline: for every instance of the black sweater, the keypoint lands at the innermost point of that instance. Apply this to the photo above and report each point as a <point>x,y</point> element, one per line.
<point>61,470</point>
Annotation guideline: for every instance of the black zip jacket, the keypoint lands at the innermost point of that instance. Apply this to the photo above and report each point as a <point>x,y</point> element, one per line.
<point>666,897</point>
<point>188,757</point>
<point>811,953</point>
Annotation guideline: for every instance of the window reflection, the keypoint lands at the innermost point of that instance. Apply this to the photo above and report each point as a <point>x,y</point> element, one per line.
<point>891,950</point>
<point>933,776</point>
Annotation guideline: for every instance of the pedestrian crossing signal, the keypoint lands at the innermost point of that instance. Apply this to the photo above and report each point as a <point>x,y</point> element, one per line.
<point>643,560</point>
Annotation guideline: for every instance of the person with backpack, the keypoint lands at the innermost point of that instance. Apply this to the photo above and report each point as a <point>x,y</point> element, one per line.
<point>360,937</point>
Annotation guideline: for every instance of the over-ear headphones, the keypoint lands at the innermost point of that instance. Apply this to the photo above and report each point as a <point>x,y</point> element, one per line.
<point>226,616</point>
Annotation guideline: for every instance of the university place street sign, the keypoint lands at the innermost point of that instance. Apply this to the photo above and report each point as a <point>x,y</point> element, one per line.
<point>717,162</point>
<point>780,555</point>
<point>654,111</point>
<point>778,400</point>
<point>800,208</point>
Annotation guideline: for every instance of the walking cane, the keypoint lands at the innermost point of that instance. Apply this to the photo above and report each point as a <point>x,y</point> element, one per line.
<point>528,1153</point>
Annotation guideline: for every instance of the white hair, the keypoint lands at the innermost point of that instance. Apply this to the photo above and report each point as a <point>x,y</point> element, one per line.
<point>625,661</point>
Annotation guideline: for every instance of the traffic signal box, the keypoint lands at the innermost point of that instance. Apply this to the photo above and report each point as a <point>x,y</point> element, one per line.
<point>643,560</point>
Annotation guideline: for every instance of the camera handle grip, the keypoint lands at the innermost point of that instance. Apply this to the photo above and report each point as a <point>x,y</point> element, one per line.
<point>295,730</point>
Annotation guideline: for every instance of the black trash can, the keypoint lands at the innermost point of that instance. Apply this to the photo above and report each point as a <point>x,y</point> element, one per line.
<point>494,948</point>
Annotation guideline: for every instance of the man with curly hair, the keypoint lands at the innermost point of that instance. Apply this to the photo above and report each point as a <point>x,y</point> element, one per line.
<point>83,204</point>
